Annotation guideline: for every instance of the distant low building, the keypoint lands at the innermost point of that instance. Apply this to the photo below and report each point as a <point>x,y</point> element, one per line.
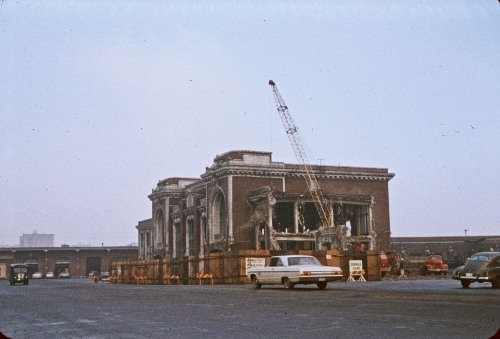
<point>36,239</point>
<point>454,249</point>
<point>78,261</point>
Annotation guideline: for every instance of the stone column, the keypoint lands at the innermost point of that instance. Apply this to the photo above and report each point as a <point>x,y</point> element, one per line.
<point>269,227</point>
<point>186,225</point>
<point>230,207</point>
<point>296,216</point>
<point>371,224</point>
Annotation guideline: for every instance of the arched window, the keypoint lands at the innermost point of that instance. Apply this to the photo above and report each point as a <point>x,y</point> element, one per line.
<point>160,228</point>
<point>148,244</point>
<point>191,237</point>
<point>219,217</point>
<point>204,233</point>
<point>142,246</point>
<point>177,240</point>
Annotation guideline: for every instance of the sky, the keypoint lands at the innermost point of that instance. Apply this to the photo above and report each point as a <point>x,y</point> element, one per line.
<point>99,100</point>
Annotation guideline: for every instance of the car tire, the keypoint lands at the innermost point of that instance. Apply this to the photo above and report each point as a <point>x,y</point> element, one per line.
<point>256,283</point>
<point>322,285</point>
<point>495,283</point>
<point>288,284</point>
<point>465,283</point>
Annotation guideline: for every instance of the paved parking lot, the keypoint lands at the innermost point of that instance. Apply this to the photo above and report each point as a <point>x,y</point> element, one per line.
<point>79,308</point>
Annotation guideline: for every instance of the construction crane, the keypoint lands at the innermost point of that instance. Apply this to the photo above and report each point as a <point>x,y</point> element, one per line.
<point>298,147</point>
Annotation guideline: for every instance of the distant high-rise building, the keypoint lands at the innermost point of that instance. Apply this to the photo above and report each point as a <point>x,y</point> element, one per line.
<point>36,240</point>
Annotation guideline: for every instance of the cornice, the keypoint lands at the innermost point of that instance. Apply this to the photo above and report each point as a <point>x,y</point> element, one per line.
<point>224,171</point>
<point>161,193</point>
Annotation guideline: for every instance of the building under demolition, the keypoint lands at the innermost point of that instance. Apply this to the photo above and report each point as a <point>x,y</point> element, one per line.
<point>245,201</point>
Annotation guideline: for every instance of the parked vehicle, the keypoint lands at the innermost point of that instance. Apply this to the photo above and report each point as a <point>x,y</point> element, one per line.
<point>481,267</point>
<point>64,274</point>
<point>291,270</point>
<point>18,273</point>
<point>435,265</point>
<point>389,262</point>
<point>49,275</point>
<point>104,277</point>
<point>384,263</point>
<point>36,275</point>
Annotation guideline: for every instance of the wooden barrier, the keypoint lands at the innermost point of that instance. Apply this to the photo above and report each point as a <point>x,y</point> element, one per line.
<point>140,278</point>
<point>169,277</point>
<point>359,274</point>
<point>230,267</point>
<point>201,276</point>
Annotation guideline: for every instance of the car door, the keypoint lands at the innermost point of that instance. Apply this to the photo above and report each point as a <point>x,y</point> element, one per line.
<point>269,273</point>
<point>276,271</point>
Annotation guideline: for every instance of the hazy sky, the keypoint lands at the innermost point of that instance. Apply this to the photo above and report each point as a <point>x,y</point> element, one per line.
<point>99,100</point>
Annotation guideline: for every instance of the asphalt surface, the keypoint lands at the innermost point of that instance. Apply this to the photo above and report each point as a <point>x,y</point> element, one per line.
<point>79,308</point>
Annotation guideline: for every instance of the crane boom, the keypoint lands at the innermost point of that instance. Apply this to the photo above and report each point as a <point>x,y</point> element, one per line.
<point>298,147</point>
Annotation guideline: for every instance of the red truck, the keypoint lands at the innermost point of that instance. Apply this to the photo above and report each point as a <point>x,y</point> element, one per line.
<point>435,265</point>
<point>389,262</point>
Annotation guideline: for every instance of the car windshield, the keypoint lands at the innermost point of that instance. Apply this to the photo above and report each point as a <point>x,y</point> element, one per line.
<point>274,261</point>
<point>481,257</point>
<point>303,261</point>
<point>20,270</point>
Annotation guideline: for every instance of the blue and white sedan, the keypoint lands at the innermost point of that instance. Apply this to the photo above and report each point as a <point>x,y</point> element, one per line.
<point>290,270</point>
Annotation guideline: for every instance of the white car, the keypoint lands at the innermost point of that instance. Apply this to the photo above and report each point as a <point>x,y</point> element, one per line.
<point>104,277</point>
<point>291,270</point>
<point>49,275</point>
<point>36,275</point>
<point>64,274</point>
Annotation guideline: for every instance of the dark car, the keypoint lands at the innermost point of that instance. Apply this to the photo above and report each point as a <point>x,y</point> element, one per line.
<point>481,267</point>
<point>18,273</point>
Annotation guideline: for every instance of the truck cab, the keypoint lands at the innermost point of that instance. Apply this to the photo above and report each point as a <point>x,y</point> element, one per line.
<point>389,262</point>
<point>435,265</point>
<point>18,273</point>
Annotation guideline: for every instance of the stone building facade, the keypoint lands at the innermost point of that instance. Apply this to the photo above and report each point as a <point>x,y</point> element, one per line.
<point>247,201</point>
